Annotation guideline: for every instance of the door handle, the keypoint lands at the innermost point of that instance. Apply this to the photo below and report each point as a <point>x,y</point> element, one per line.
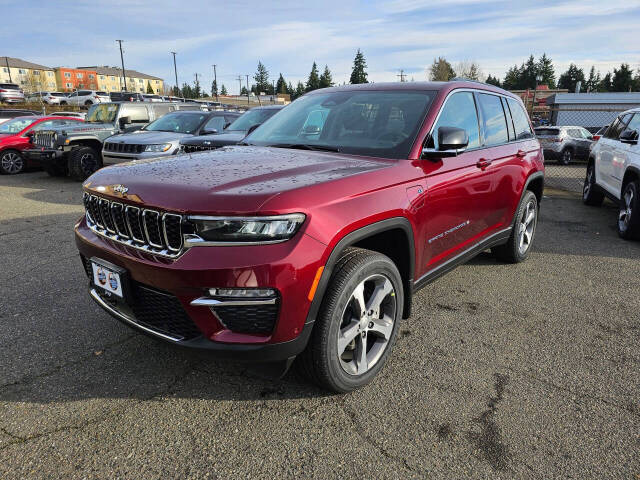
<point>521,154</point>
<point>483,163</point>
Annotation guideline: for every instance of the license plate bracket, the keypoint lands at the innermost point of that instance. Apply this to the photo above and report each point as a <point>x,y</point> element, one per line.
<point>111,280</point>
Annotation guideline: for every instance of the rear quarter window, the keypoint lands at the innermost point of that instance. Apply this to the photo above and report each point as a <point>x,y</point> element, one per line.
<point>520,120</point>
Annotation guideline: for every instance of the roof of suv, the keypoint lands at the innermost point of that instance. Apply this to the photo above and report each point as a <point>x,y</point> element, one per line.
<point>454,84</point>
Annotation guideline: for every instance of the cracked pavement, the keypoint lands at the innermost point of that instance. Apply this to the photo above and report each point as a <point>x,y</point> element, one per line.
<point>502,371</point>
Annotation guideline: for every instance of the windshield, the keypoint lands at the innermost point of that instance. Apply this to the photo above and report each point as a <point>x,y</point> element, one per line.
<point>16,125</point>
<point>251,118</point>
<point>177,122</point>
<point>102,113</point>
<point>550,132</point>
<point>373,123</point>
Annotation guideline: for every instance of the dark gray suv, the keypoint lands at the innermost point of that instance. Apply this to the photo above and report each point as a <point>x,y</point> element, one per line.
<point>565,143</point>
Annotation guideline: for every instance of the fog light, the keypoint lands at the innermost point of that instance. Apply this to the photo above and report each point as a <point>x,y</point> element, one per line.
<point>242,292</point>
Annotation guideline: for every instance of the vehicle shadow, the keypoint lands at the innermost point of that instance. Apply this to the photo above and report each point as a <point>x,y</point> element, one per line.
<point>40,187</point>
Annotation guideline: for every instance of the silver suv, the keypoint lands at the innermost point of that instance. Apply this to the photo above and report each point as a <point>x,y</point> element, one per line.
<point>565,143</point>
<point>50,98</point>
<point>85,97</point>
<point>11,93</point>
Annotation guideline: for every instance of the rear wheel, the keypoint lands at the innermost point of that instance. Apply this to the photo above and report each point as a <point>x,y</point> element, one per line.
<point>358,321</point>
<point>566,156</point>
<point>83,161</point>
<point>63,103</point>
<point>518,246</point>
<point>11,162</point>
<point>88,103</point>
<point>591,193</point>
<point>629,214</point>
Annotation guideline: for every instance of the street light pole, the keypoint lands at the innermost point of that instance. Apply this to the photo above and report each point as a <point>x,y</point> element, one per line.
<point>175,70</point>
<point>533,105</point>
<point>247,89</point>
<point>124,76</point>
<point>215,80</point>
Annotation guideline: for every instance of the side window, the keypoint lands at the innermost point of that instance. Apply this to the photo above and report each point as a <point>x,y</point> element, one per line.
<point>215,123</point>
<point>495,124</point>
<point>634,123</point>
<point>136,113</point>
<point>507,113</point>
<point>43,125</point>
<point>520,120</point>
<point>459,111</point>
<point>618,126</point>
<point>586,133</point>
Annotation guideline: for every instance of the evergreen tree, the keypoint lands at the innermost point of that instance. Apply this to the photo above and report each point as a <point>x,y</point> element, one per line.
<point>326,80</point>
<point>605,83</point>
<point>176,91</point>
<point>512,80</point>
<point>359,71</point>
<point>187,91</point>
<point>622,79</point>
<point>591,85</point>
<point>262,79</point>
<point>529,71</point>
<point>290,90</point>
<point>223,90</point>
<point>149,88</point>
<point>197,92</point>
<point>281,85</point>
<point>313,82</point>
<point>636,82</point>
<point>571,77</point>
<point>244,91</point>
<point>299,91</point>
<point>546,71</point>
<point>214,88</point>
<point>493,81</point>
<point>441,70</point>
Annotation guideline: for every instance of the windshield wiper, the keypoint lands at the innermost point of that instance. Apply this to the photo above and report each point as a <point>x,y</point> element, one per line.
<point>307,146</point>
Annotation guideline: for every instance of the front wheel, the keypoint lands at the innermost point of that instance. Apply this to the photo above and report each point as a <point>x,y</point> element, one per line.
<point>566,156</point>
<point>83,161</point>
<point>88,103</point>
<point>63,103</point>
<point>358,322</point>
<point>629,214</point>
<point>11,162</point>
<point>518,246</point>
<point>591,194</point>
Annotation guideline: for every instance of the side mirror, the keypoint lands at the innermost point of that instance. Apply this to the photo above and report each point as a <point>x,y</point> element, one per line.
<point>630,137</point>
<point>124,121</point>
<point>451,142</point>
<point>209,132</point>
<point>252,128</point>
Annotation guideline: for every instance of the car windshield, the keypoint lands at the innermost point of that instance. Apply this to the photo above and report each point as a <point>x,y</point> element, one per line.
<point>102,113</point>
<point>251,118</point>
<point>372,123</point>
<point>177,122</point>
<point>547,132</point>
<point>16,125</point>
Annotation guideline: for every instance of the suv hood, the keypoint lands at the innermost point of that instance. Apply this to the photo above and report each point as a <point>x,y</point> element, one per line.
<point>216,140</point>
<point>147,138</point>
<point>87,127</point>
<point>232,180</point>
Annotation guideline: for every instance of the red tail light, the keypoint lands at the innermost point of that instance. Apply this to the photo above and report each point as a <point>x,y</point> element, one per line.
<point>1,90</point>
<point>596,138</point>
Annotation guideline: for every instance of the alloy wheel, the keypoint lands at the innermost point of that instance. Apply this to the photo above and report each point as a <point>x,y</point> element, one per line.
<point>588,181</point>
<point>367,324</point>
<point>566,157</point>
<point>527,226</point>
<point>624,217</point>
<point>88,163</point>
<point>12,162</point>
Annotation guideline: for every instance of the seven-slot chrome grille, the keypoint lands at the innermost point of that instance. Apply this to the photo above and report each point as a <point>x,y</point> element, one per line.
<point>123,147</point>
<point>145,229</point>
<point>43,139</point>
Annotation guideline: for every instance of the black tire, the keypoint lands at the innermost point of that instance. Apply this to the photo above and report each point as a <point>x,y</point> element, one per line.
<point>591,193</point>
<point>88,103</point>
<point>566,157</point>
<point>55,169</point>
<point>629,213</point>
<point>83,161</point>
<point>321,361</point>
<point>11,162</point>
<point>63,103</point>
<point>512,251</point>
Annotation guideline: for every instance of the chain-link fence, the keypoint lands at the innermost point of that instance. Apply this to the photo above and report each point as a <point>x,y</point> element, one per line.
<point>567,136</point>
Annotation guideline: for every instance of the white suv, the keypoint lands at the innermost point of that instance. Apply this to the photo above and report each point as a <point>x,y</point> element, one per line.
<point>85,97</point>
<point>614,170</point>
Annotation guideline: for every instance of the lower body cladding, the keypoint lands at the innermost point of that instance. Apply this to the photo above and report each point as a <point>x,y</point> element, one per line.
<point>246,303</point>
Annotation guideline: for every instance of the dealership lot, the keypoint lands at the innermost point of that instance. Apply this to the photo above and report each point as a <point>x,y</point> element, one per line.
<point>528,371</point>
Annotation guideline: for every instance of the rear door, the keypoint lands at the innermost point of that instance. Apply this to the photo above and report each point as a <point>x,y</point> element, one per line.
<point>609,155</point>
<point>626,153</point>
<point>459,189</point>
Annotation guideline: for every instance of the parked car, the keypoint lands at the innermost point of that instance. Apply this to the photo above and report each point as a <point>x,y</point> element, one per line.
<point>81,115</point>
<point>11,93</point>
<point>234,133</point>
<point>147,97</point>
<point>7,114</point>
<point>15,138</point>
<point>85,97</point>
<point>126,97</point>
<point>49,98</point>
<point>614,171</point>
<point>565,143</point>
<point>600,133</point>
<point>77,151</point>
<point>311,240</point>
<point>162,137</point>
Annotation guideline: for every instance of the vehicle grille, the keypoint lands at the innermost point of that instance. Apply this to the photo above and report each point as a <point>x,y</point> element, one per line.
<point>154,309</point>
<point>43,139</point>
<point>197,148</point>
<point>123,147</point>
<point>149,230</point>
<point>248,318</point>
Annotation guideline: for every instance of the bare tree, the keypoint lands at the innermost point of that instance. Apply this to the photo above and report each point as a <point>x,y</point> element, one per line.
<point>470,69</point>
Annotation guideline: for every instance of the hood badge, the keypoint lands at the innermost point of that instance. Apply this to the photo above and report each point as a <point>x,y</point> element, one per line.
<point>121,189</point>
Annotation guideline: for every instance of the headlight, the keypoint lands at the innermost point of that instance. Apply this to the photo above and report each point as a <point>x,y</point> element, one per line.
<point>157,148</point>
<point>243,230</point>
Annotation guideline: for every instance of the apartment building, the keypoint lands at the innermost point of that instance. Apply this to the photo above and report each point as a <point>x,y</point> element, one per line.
<point>110,80</point>
<point>70,79</point>
<point>31,77</point>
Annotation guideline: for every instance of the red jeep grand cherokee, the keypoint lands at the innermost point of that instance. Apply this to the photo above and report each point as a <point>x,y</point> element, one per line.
<point>311,239</point>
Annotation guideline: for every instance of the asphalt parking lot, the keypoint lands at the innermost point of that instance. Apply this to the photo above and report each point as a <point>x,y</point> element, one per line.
<point>502,371</point>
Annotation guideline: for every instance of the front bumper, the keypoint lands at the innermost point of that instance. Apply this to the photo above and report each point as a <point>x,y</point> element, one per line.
<point>288,267</point>
<point>43,155</point>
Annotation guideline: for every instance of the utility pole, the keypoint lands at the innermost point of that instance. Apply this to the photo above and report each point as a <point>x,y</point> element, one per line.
<point>247,89</point>
<point>124,76</point>
<point>215,79</point>
<point>239,85</point>
<point>273,90</point>
<point>402,76</point>
<point>6,60</point>
<point>175,69</point>
<point>197,84</point>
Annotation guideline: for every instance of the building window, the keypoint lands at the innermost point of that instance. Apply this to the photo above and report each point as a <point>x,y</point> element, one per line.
<point>67,75</point>
<point>69,85</point>
<point>36,72</point>
<point>91,76</point>
<point>22,72</point>
<point>49,74</point>
<point>139,80</point>
<point>5,69</point>
<point>113,78</point>
<point>79,75</point>
<point>101,77</point>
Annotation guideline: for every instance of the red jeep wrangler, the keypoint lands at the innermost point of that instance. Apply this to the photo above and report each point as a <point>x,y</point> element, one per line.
<point>310,239</point>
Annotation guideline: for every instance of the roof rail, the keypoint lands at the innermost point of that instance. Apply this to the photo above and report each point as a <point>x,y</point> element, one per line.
<point>463,79</point>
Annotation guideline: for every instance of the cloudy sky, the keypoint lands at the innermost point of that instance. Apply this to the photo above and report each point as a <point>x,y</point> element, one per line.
<point>288,36</point>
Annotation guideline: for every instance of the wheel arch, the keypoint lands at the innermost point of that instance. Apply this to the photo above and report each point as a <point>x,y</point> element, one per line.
<point>87,142</point>
<point>630,174</point>
<point>392,237</point>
